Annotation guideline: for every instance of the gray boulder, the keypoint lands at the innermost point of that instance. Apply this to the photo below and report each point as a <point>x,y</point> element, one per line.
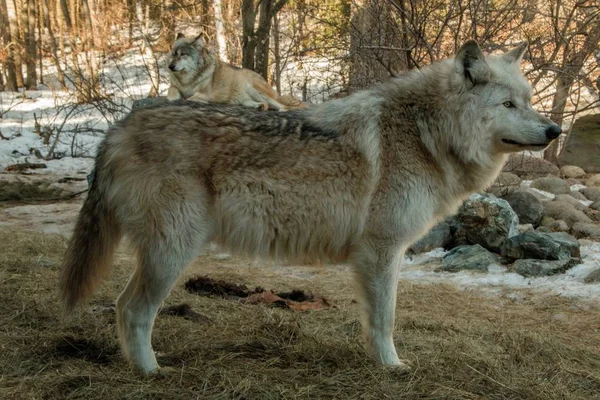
<point>551,184</point>
<point>438,236</point>
<point>486,220</point>
<point>583,144</point>
<point>565,211</point>
<point>593,277</point>
<point>473,258</point>
<point>528,167</point>
<point>577,195</point>
<point>567,198</point>
<point>535,268</point>
<point>593,180</point>
<point>527,207</point>
<point>572,171</point>
<point>591,193</point>
<point>504,184</point>
<point>539,245</point>
<point>586,230</point>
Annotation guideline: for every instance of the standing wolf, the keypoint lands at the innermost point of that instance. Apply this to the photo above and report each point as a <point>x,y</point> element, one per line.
<point>197,74</point>
<point>357,179</point>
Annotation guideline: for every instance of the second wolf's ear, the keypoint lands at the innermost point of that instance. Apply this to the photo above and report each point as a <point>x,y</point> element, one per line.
<point>199,41</point>
<point>179,36</point>
<point>470,63</point>
<point>516,54</point>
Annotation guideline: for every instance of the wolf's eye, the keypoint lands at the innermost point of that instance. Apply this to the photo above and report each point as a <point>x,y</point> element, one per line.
<point>508,104</point>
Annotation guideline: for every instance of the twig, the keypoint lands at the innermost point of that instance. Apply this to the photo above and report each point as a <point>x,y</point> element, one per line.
<point>492,379</point>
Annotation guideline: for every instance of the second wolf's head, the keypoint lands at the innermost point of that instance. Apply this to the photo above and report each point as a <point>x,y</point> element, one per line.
<point>190,57</point>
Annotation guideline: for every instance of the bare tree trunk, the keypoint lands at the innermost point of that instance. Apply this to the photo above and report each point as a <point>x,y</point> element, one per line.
<point>40,46</point>
<point>559,103</point>
<point>92,62</point>
<point>28,13</point>
<point>16,48</point>
<point>167,32</point>
<point>277,54</point>
<point>261,55</point>
<point>220,30</point>
<point>255,44</point>
<point>11,73</point>
<point>248,43</point>
<point>53,47</point>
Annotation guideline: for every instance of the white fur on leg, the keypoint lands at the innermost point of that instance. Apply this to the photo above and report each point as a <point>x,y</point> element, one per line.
<point>376,267</point>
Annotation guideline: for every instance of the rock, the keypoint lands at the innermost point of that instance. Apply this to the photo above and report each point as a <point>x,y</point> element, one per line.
<point>538,245</point>
<point>472,257</point>
<point>536,268</point>
<point>571,171</point>
<point>582,145</point>
<point>595,205</point>
<point>592,214</point>
<point>525,228</point>
<point>528,167</point>
<point>543,229</point>
<point>438,236</point>
<point>505,183</point>
<point>593,181</point>
<point>593,277</point>
<point>34,187</point>
<point>591,193</point>
<point>573,181</point>
<point>551,184</point>
<point>558,226</point>
<point>486,220</point>
<point>547,221</point>
<point>527,207</point>
<point>567,198</point>
<point>577,195</point>
<point>586,230</point>
<point>564,211</point>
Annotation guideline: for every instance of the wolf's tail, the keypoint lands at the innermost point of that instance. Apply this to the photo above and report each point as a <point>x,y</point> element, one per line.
<point>91,248</point>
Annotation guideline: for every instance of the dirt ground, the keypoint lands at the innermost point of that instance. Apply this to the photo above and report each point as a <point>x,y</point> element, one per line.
<point>461,344</point>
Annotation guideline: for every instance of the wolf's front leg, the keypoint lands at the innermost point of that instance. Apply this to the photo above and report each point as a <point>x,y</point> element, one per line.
<point>376,263</point>
<point>173,94</point>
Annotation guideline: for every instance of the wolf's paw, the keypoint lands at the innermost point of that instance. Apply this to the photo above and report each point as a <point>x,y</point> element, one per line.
<point>402,366</point>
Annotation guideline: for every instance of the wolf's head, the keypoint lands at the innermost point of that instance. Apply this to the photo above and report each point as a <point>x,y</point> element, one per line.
<point>499,97</point>
<point>189,56</point>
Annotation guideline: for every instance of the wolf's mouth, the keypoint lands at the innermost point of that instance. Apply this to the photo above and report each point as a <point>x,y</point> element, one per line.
<point>509,141</point>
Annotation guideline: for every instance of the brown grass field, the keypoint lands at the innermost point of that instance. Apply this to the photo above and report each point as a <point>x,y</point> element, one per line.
<point>461,344</point>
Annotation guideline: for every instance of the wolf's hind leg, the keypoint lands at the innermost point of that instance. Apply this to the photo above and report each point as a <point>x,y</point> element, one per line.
<point>163,251</point>
<point>376,265</point>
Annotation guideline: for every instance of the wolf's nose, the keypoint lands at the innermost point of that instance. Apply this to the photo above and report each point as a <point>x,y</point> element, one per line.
<point>172,67</point>
<point>553,131</point>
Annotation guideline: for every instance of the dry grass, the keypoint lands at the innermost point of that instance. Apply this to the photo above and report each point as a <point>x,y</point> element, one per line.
<point>462,346</point>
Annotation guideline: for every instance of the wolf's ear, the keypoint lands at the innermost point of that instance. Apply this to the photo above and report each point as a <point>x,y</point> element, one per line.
<point>179,36</point>
<point>199,41</point>
<point>516,54</point>
<point>470,63</point>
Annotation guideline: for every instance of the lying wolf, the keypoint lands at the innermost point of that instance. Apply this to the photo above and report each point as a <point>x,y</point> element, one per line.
<point>197,74</point>
<point>353,180</point>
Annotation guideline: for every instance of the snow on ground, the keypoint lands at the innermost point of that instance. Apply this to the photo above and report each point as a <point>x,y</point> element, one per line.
<point>421,269</point>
